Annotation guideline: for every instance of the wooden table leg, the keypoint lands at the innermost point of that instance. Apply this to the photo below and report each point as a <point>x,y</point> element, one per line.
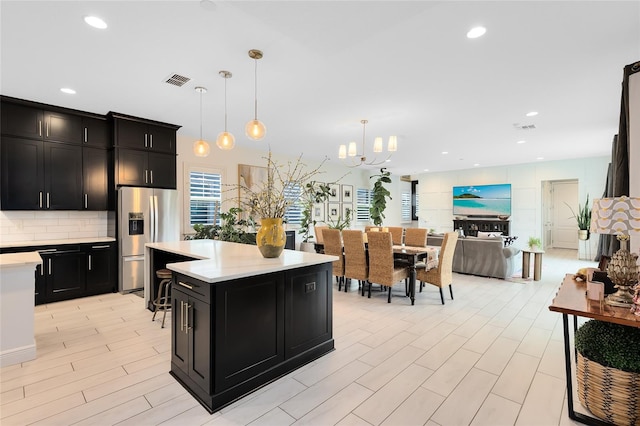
<point>525,264</point>
<point>537,267</point>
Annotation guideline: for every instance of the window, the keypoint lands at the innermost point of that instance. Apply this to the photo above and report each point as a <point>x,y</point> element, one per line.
<point>293,215</point>
<point>205,196</point>
<point>415,205</point>
<point>405,210</point>
<point>363,203</point>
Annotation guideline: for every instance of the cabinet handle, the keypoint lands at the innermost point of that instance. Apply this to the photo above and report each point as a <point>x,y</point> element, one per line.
<point>48,199</point>
<point>146,176</point>
<point>85,135</point>
<point>151,140</point>
<point>39,127</point>
<point>90,262</point>
<point>181,315</point>
<point>151,173</point>
<point>50,268</point>
<point>187,327</point>
<point>40,199</point>
<point>86,201</point>
<point>47,251</point>
<point>46,126</point>
<point>185,285</point>
<point>145,140</point>
<point>100,247</point>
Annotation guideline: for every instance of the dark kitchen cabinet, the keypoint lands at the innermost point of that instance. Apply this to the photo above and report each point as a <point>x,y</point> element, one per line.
<point>95,132</point>
<point>191,334</point>
<point>40,175</point>
<point>141,134</point>
<point>101,268</point>
<point>37,123</point>
<point>140,168</point>
<point>64,273</point>
<point>95,178</point>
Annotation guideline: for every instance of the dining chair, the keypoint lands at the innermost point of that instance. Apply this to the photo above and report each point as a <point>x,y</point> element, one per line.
<point>355,258</point>
<point>442,275</point>
<point>396,234</point>
<point>415,237</point>
<point>317,230</point>
<point>371,228</point>
<point>382,269</point>
<point>333,246</point>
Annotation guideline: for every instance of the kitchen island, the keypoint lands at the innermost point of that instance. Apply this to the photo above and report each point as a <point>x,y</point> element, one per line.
<point>239,320</point>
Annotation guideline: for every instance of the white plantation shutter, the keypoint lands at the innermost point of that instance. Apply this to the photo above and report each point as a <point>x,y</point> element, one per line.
<point>205,196</point>
<point>293,215</point>
<point>406,207</point>
<point>363,203</point>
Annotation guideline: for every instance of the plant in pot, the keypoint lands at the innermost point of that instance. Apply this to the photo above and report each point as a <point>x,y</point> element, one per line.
<point>583,219</point>
<point>231,229</point>
<point>379,196</point>
<point>534,243</point>
<point>608,370</point>
<point>313,193</point>
<point>340,223</point>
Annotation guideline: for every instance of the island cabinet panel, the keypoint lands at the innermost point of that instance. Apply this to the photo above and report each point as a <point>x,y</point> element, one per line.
<point>250,313</point>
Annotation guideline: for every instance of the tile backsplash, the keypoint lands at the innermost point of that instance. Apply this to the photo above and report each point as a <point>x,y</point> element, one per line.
<point>19,226</point>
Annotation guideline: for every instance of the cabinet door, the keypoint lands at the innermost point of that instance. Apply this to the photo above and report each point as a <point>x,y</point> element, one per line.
<point>131,134</point>
<point>40,283</point>
<point>21,120</point>
<point>22,180</point>
<point>62,127</point>
<point>162,170</point>
<point>199,324</point>
<point>63,176</point>
<point>95,169</point>
<point>133,167</point>
<point>95,132</point>
<point>100,268</point>
<point>179,336</point>
<point>65,277</point>
<point>162,139</point>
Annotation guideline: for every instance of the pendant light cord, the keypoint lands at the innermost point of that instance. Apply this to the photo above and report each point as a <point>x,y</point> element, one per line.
<point>255,93</point>
<point>200,114</point>
<point>364,126</point>
<point>225,104</point>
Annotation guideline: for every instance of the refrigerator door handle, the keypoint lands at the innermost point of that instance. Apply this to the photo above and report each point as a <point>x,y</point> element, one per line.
<point>152,220</point>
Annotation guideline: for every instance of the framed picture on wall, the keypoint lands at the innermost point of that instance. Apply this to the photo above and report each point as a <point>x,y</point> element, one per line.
<point>347,193</point>
<point>347,208</point>
<point>334,192</point>
<point>318,212</point>
<point>334,211</point>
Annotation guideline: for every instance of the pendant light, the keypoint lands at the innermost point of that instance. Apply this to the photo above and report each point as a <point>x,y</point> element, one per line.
<point>255,129</point>
<point>225,139</point>
<point>201,147</point>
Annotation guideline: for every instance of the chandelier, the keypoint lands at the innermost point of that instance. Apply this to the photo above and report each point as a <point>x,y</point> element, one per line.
<point>352,150</point>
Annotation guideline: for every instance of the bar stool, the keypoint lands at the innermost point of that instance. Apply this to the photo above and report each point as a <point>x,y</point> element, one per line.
<point>163,299</point>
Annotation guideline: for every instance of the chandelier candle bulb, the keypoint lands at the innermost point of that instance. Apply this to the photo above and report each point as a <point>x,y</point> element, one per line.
<point>393,144</point>
<point>377,144</point>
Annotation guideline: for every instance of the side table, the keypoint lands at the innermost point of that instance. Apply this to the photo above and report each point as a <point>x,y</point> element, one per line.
<point>537,263</point>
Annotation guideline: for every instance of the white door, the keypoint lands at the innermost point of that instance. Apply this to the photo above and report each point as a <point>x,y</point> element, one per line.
<point>564,229</point>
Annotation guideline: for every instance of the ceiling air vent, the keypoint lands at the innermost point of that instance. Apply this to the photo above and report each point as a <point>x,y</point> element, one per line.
<point>177,80</point>
<point>524,126</point>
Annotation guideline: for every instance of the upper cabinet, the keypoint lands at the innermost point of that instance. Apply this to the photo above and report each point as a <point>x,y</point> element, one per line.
<point>37,123</point>
<point>95,132</point>
<point>137,133</point>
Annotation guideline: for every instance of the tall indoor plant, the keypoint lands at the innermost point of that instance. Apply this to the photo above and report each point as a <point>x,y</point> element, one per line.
<point>313,193</point>
<point>379,196</point>
<point>583,219</point>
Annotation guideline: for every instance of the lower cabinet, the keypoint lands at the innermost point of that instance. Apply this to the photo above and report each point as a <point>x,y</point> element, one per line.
<point>232,337</point>
<point>64,274</point>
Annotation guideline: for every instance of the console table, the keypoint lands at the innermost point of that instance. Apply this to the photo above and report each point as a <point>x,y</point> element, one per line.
<point>571,299</point>
<point>472,226</point>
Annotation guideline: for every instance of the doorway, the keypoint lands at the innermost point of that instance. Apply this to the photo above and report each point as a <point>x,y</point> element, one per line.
<point>560,229</point>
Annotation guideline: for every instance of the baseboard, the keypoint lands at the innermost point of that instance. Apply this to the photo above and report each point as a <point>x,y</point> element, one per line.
<point>18,355</point>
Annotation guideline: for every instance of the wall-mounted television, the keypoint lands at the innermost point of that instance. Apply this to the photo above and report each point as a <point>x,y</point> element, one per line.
<point>482,200</point>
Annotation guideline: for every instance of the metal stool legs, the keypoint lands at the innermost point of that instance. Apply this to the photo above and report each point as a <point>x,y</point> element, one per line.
<point>163,300</point>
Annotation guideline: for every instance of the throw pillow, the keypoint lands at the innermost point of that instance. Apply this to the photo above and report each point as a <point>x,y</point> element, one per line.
<point>489,234</point>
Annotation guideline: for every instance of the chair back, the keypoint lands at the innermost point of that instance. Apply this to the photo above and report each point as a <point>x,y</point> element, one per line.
<point>445,263</point>
<point>371,228</point>
<point>396,234</point>
<point>355,256</point>
<point>416,237</point>
<point>318,231</point>
<point>333,246</point>
<point>380,258</point>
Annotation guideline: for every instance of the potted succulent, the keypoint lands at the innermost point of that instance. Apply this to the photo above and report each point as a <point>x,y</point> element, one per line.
<point>379,196</point>
<point>313,193</point>
<point>534,243</point>
<point>583,219</point>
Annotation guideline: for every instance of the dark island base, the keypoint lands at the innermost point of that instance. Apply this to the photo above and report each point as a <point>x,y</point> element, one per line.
<point>213,403</point>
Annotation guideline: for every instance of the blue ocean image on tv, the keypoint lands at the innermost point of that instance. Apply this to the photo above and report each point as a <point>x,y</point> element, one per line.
<point>482,200</point>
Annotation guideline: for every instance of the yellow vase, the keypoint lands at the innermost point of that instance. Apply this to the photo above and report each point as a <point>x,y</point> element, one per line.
<point>271,237</point>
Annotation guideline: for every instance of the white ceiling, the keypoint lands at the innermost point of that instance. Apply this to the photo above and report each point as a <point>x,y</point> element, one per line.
<point>407,67</point>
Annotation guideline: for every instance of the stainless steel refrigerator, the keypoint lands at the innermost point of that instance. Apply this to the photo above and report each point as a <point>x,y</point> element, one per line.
<point>145,215</point>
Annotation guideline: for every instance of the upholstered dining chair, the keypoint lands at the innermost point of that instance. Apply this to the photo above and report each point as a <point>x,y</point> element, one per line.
<point>443,274</point>
<point>396,234</point>
<point>415,237</point>
<point>318,231</point>
<point>355,258</point>
<point>333,246</point>
<point>381,266</point>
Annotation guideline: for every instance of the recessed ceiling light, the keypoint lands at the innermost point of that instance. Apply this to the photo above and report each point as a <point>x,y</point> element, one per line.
<point>68,91</point>
<point>521,142</point>
<point>532,114</point>
<point>426,170</point>
<point>445,152</point>
<point>540,158</point>
<point>476,165</point>
<point>95,22</point>
<point>388,160</point>
<point>476,32</point>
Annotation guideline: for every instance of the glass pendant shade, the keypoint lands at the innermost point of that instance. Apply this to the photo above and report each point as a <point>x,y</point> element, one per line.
<point>377,144</point>
<point>201,148</point>
<point>342,152</point>
<point>225,140</point>
<point>352,149</point>
<point>255,130</point>
<point>393,144</point>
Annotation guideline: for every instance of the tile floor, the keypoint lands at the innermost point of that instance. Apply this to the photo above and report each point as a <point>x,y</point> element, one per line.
<point>493,356</point>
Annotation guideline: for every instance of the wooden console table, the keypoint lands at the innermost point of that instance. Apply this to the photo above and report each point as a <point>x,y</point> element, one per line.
<point>537,263</point>
<point>571,299</point>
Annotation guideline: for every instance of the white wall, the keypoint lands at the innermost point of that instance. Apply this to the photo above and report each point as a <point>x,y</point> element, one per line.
<point>435,191</point>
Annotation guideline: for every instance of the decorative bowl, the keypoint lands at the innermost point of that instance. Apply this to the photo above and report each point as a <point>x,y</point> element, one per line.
<point>503,217</point>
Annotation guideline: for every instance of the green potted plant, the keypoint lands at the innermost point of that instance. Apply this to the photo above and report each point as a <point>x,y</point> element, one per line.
<point>608,370</point>
<point>583,219</point>
<point>340,223</point>
<point>534,243</point>
<point>379,196</point>
<point>313,193</point>
<point>231,229</point>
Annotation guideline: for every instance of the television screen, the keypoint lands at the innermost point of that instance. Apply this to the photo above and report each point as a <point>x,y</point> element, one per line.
<point>482,200</point>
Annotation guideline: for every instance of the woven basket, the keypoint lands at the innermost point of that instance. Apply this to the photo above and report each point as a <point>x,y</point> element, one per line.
<point>609,393</point>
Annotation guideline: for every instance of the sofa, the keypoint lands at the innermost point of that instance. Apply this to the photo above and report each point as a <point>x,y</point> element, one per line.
<point>486,257</point>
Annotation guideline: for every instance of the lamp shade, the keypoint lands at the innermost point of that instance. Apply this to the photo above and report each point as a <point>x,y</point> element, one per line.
<point>342,152</point>
<point>617,216</point>
<point>225,140</point>
<point>377,144</point>
<point>201,148</point>
<point>353,150</point>
<point>393,144</point>
<point>255,130</point>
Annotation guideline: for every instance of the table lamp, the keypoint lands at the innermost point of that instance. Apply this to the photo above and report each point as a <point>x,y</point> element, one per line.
<point>619,216</point>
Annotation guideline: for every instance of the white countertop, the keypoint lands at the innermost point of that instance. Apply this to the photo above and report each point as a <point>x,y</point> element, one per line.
<point>223,261</point>
<point>20,259</point>
<point>36,243</point>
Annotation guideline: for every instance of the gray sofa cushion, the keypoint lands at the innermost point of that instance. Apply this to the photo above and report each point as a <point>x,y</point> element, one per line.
<point>486,257</point>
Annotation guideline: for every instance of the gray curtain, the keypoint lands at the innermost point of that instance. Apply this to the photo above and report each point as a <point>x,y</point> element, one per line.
<point>618,173</point>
